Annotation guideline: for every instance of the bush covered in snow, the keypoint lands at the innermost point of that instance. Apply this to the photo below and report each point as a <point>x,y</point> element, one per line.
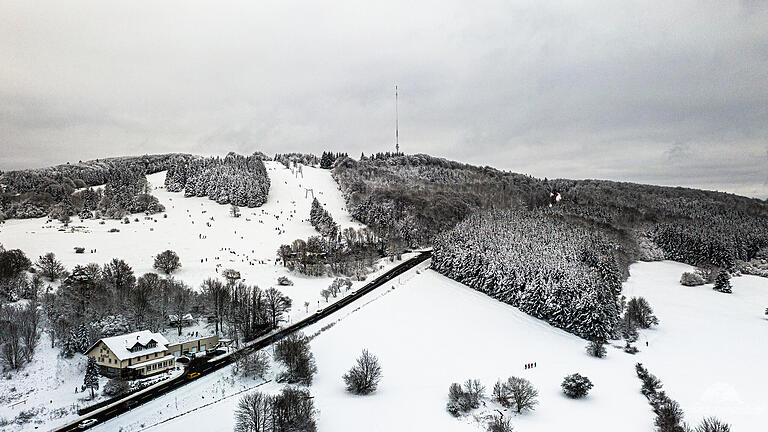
<point>516,393</point>
<point>692,279</point>
<point>364,376</point>
<point>499,423</point>
<point>255,364</point>
<point>116,387</point>
<point>284,281</point>
<point>235,179</point>
<point>463,399</point>
<point>539,262</point>
<point>576,386</point>
<point>294,352</point>
<point>167,262</point>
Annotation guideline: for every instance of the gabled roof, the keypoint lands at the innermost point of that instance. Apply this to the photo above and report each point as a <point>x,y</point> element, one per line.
<point>119,345</point>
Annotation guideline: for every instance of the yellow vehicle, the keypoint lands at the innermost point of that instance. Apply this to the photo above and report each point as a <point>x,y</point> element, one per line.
<point>193,375</point>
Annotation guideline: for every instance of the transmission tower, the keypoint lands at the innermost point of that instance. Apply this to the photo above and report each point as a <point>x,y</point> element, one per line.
<point>397,125</point>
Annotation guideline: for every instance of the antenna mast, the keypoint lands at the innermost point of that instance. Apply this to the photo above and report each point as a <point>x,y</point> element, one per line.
<point>397,125</point>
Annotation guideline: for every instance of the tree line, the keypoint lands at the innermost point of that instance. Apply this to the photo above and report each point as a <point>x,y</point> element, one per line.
<point>34,192</point>
<point>564,274</point>
<point>235,179</point>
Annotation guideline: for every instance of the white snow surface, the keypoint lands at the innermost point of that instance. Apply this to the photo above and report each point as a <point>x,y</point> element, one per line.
<point>247,244</point>
<point>709,349</point>
<point>431,331</point>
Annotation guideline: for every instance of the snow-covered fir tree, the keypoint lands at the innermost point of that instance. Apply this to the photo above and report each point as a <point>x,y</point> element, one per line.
<point>235,179</point>
<point>537,261</point>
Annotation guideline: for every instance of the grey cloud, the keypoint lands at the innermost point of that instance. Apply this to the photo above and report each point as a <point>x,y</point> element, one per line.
<point>661,92</point>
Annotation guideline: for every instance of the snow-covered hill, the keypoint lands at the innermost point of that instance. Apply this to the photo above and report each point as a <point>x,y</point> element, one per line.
<point>432,331</point>
<point>201,231</point>
<point>207,240</point>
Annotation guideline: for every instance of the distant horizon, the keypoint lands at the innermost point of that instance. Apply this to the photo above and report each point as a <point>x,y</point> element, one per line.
<point>357,157</point>
<point>669,93</point>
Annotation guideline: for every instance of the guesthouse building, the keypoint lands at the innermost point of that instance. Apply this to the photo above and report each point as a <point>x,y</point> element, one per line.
<point>132,355</point>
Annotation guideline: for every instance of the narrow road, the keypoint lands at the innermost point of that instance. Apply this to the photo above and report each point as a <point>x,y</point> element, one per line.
<point>131,401</point>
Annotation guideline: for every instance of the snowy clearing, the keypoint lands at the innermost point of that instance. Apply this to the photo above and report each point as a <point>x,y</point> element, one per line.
<point>205,246</point>
<point>432,331</point>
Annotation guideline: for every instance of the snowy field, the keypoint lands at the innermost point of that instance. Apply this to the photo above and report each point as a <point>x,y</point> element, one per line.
<point>207,240</point>
<point>431,331</point>
<point>203,234</point>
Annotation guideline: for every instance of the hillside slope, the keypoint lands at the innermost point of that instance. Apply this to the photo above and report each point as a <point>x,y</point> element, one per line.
<point>429,331</point>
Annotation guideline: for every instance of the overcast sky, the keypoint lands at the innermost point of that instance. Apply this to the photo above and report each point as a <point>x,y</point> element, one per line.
<point>664,92</point>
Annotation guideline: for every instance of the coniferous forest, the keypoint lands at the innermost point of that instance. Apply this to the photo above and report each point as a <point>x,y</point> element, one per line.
<point>234,179</point>
<point>549,268</point>
<point>63,190</point>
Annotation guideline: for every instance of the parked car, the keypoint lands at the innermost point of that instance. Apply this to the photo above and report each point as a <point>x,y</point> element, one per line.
<point>85,424</point>
<point>183,360</point>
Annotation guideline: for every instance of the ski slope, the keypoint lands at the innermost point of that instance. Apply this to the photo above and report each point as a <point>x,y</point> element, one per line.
<point>431,331</point>
<point>205,246</point>
<point>203,234</point>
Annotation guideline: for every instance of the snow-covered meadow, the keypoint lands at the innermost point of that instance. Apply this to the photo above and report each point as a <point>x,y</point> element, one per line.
<point>207,240</point>
<point>431,331</point>
<point>202,232</point>
<point>428,331</point>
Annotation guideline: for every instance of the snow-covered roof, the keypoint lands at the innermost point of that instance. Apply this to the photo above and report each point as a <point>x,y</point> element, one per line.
<point>151,362</point>
<point>120,345</point>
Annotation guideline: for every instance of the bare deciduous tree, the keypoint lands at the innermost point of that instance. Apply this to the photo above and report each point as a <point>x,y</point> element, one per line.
<point>364,377</point>
<point>254,413</point>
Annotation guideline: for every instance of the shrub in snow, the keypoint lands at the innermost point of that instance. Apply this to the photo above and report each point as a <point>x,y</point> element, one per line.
<point>294,352</point>
<point>364,377</point>
<point>723,282</point>
<point>629,349</point>
<point>167,262</point>
<point>462,399</point>
<point>116,387</point>
<point>576,386</point>
<point>284,281</point>
<point>254,365</point>
<point>499,423</point>
<point>234,211</point>
<point>596,349</point>
<point>712,424</point>
<point>516,393</point>
<point>457,400</point>
<point>692,279</point>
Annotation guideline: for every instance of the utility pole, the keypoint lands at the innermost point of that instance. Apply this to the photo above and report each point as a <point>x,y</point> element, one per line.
<point>397,126</point>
